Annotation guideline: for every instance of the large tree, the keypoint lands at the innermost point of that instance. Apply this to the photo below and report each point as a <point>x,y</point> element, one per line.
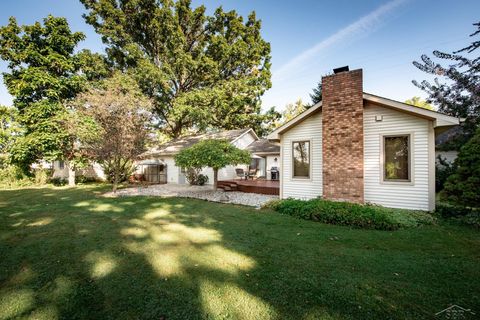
<point>9,130</point>
<point>215,154</point>
<point>200,71</point>
<point>456,87</point>
<point>122,114</point>
<point>44,73</point>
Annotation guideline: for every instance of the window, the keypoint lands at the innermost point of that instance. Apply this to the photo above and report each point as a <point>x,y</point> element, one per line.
<point>396,158</point>
<point>301,159</point>
<point>61,165</point>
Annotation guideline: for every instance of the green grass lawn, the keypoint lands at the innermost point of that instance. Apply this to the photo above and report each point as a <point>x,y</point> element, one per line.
<point>72,254</point>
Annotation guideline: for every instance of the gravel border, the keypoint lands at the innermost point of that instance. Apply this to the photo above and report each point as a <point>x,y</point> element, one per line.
<point>196,192</point>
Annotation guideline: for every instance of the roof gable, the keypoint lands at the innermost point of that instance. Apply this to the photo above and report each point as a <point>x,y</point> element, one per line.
<point>439,119</point>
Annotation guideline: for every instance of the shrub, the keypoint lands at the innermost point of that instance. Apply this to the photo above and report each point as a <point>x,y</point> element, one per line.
<point>109,170</point>
<point>85,179</point>
<point>202,179</point>
<point>58,181</point>
<point>443,170</point>
<point>42,176</point>
<point>344,213</point>
<point>462,186</point>
<point>194,177</point>
<point>13,177</point>
<point>472,219</point>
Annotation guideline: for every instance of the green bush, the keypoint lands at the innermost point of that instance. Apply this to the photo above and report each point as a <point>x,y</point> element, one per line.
<point>58,181</point>
<point>202,179</point>
<point>350,214</point>
<point>443,170</point>
<point>13,177</point>
<point>472,219</point>
<point>463,186</point>
<point>85,179</point>
<point>42,176</point>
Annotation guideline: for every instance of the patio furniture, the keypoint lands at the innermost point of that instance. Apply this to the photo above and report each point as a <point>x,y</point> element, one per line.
<point>240,173</point>
<point>252,172</point>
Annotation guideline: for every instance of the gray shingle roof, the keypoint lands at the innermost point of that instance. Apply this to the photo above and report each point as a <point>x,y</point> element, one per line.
<point>174,146</point>
<point>263,146</point>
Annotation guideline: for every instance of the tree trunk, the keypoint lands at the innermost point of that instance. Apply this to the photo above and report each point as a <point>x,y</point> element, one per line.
<point>115,181</point>
<point>71,175</point>
<point>215,179</point>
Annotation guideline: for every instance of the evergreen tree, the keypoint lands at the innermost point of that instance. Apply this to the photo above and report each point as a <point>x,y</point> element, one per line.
<point>463,186</point>
<point>316,95</point>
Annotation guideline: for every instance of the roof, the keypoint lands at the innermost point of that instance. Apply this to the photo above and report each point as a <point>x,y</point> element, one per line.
<point>440,119</point>
<point>264,146</point>
<point>174,146</point>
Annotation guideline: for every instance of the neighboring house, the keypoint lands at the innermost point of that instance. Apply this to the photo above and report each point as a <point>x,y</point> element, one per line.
<point>358,147</point>
<point>158,164</point>
<point>94,171</point>
<point>263,152</point>
<point>443,140</point>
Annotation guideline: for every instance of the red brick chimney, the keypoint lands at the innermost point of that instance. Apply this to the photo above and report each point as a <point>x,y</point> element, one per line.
<point>342,130</point>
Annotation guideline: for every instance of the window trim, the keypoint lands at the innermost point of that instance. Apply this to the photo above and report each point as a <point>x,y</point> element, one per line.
<point>411,166</point>
<point>293,177</point>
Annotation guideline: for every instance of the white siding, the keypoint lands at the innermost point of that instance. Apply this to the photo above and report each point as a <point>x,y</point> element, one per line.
<point>172,170</point>
<point>309,129</point>
<point>414,195</point>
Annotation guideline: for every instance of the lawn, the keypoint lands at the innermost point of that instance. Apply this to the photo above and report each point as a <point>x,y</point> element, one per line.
<point>72,254</point>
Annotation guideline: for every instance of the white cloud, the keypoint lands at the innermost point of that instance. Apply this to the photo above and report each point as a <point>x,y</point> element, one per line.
<point>364,25</point>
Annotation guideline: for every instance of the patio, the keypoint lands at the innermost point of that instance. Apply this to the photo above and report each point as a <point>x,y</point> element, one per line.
<point>269,187</point>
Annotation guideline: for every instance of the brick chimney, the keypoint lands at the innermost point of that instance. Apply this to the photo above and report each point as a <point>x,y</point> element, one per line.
<point>342,130</point>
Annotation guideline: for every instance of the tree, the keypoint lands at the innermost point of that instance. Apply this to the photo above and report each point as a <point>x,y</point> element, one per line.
<point>462,186</point>
<point>200,71</point>
<point>44,73</point>
<point>9,130</point>
<point>418,102</point>
<point>316,95</point>
<point>122,114</point>
<point>291,111</point>
<point>215,154</point>
<point>459,94</point>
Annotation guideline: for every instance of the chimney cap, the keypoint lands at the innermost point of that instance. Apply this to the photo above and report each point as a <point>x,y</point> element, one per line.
<point>341,69</point>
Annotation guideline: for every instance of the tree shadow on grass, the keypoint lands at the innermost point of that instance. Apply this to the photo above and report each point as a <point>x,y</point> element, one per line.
<point>71,254</point>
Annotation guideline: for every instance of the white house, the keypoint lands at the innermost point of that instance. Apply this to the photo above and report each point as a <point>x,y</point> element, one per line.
<point>158,164</point>
<point>265,155</point>
<point>358,147</point>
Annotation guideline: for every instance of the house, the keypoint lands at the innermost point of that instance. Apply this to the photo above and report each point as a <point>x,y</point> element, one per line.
<point>157,165</point>
<point>265,154</point>
<point>359,147</point>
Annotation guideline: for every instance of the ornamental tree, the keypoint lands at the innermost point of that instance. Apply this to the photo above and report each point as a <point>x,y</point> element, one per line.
<point>215,154</point>
<point>122,114</point>
<point>456,86</point>
<point>201,71</point>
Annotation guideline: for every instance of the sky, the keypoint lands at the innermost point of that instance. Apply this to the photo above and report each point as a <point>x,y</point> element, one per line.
<point>309,38</point>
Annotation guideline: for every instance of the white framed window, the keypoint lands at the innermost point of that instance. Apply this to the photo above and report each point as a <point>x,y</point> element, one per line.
<point>301,159</point>
<point>397,158</point>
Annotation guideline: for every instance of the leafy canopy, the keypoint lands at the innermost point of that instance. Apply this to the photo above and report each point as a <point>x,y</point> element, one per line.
<point>200,71</point>
<point>459,93</point>
<point>215,154</point>
<point>316,94</point>
<point>44,72</point>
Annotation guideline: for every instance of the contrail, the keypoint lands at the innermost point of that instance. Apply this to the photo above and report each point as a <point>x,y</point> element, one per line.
<point>363,25</point>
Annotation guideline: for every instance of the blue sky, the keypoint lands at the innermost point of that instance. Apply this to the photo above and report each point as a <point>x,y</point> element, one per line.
<point>310,38</point>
